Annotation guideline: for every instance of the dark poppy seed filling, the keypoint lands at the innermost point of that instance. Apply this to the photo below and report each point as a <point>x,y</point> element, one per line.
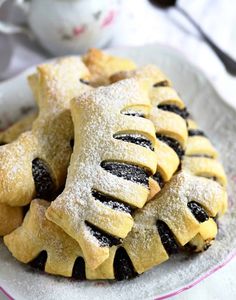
<point>159,179</point>
<point>193,132</point>
<point>190,247</point>
<point>44,184</point>
<point>161,83</point>
<point>2,143</point>
<point>133,114</point>
<point>198,212</point>
<point>84,81</point>
<point>72,142</point>
<point>79,269</point>
<point>167,238</point>
<point>123,267</point>
<point>40,261</point>
<point>175,145</point>
<point>126,171</point>
<point>112,202</point>
<point>175,109</point>
<point>105,240</point>
<point>137,139</point>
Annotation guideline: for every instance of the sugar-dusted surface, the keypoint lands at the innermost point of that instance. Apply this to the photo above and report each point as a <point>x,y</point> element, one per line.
<point>217,119</point>
<point>97,118</point>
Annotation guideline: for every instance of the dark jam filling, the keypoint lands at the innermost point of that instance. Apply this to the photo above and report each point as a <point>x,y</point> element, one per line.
<point>40,261</point>
<point>193,132</point>
<point>175,109</point>
<point>133,114</point>
<point>159,179</point>
<point>112,202</point>
<point>105,240</point>
<point>198,212</point>
<point>126,171</point>
<point>79,269</point>
<point>44,184</point>
<point>175,145</point>
<point>161,83</point>
<point>167,238</point>
<point>123,267</point>
<point>84,81</point>
<point>135,139</point>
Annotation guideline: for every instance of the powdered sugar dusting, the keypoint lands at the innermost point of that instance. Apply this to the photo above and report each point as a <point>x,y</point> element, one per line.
<point>97,115</point>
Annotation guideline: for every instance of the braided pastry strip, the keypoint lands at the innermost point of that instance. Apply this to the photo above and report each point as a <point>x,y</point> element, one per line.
<point>168,115</point>
<point>201,156</point>
<point>163,225</point>
<point>201,159</point>
<point>45,150</point>
<point>108,175</point>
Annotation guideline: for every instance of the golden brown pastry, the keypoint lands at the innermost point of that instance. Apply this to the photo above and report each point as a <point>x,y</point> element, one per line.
<point>169,117</point>
<point>12,217</point>
<point>102,66</point>
<point>113,158</point>
<point>36,163</point>
<point>201,159</point>
<point>11,133</point>
<point>201,156</point>
<point>163,226</point>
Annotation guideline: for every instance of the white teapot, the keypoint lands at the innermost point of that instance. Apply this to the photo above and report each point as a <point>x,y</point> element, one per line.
<point>68,26</point>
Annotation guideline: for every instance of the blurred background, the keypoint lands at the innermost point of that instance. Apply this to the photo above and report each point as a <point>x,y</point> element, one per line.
<point>48,28</point>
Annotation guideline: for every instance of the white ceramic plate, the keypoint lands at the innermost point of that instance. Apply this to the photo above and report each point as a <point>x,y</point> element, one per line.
<point>180,272</point>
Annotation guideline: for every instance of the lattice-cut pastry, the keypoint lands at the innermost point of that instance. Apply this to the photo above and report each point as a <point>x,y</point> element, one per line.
<point>102,66</point>
<point>177,212</point>
<point>36,163</point>
<point>37,236</point>
<point>169,117</point>
<point>114,155</point>
<point>11,133</point>
<point>162,227</point>
<point>200,157</point>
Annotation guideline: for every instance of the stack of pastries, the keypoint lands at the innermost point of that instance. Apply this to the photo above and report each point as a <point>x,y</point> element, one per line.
<point>111,176</point>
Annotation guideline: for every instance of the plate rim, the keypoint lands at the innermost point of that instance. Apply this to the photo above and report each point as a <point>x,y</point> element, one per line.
<point>179,56</point>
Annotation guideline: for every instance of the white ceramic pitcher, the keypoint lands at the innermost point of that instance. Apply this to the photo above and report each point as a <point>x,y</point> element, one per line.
<point>68,26</point>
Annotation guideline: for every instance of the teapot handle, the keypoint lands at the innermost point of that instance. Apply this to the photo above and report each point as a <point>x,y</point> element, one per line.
<point>8,28</point>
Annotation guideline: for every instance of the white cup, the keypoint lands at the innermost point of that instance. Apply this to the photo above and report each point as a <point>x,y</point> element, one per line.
<point>68,26</point>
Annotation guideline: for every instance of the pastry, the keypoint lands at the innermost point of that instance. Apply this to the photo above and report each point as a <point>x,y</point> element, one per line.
<point>12,217</point>
<point>102,66</point>
<point>168,115</point>
<point>113,158</point>
<point>201,159</point>
<point>36,163</point>
<point>201,156</point>
<point>11,133</point>
<point>162,227</point>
